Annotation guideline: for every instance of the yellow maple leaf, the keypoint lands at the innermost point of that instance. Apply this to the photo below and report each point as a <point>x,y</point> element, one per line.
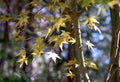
<point>63,6</point>
<point>70,74</point>
<point>90,64</point>
<point>23,60</point>
<point>37,53</point>
<point>21,53</point>
<point>21,21</point>
<point>112,3</point>
<point>90,22</point>
<point>71,62</point>
<point>34,2</point>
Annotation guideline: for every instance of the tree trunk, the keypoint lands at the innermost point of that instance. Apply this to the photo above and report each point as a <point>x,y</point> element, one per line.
<point>5,38</point>
<point>78,45</point>
<point>109,77</point>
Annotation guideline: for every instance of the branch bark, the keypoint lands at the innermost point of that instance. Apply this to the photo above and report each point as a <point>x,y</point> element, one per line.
<point>78,44</point>
<point>114,13</point>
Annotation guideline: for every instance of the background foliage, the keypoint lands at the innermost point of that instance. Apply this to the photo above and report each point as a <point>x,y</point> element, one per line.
<point>39,40</point>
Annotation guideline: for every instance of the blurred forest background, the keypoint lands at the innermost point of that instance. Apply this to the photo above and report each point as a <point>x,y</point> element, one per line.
<point>43,69</point>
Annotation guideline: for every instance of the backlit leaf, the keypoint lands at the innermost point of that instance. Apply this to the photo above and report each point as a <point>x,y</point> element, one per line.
<point>90,23</point>
<point>70,74</point>
<point>90,64</point>
<point>53,55</point>
<point>63,6</point>
<point>23,60</point>
<point>37,53</point>
<point>38,16</point>
<point>61,44</point>
<point>112,3</point>
<point>21,21</point>
<point>4,18</point>
<point>90,45</point>
<point>71,62</point>
<point>22,57</point>
<point>34,2</point>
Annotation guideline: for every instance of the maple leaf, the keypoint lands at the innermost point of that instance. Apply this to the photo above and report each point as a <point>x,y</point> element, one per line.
<point>70,74</point>
<point>100,9</point>
<point>77,65</point>
<point>53,55</point>
<point>68,68</point>
<point>71,62</point>
<point>90,23</point>
<point>59,22</point>
<point>21,53</point>
<point>4,18</point>
<point>61,45</point>
<point>90,64</point>
<point>90,45</point>
<point>22,60</point>
<point>96,28</point>
<point>112,3</point>
<point>21,21</point>
<point>38,16</point>
<point>47,32</point>
<point>50,7</point>
<point>55,1</point>
<point>63,6</point>
<point>86,3</point>
<point>37,53</point>
<point>17,36</point>
<point>34,2</point>
<point>22,14</point>
<point>72,40</point>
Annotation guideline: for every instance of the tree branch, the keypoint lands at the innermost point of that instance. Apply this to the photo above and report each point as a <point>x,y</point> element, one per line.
<point>78,44</point>
<point>115,41</point>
